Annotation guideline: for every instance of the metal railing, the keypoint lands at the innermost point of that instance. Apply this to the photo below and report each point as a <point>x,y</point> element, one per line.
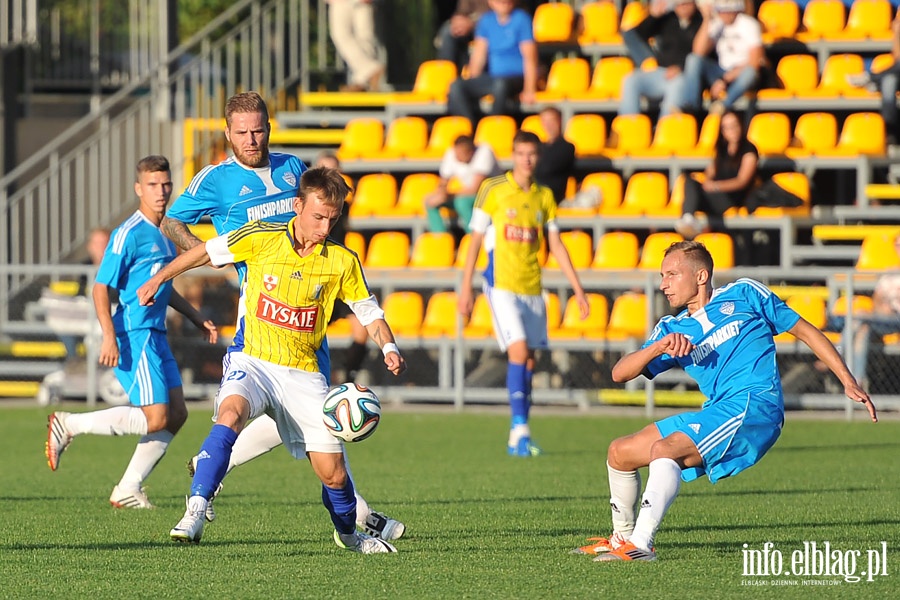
<point>18,22</point>
<point>84,177</point>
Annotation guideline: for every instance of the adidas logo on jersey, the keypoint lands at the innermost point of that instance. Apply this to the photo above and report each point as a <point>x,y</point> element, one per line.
<point>244,191</point>
<point>297,275</point>
<point>203,454</point>
<point>695,427</point>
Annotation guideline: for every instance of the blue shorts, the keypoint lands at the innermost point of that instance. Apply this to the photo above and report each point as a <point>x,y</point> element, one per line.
<point>147,369</point>
<point>731,435</point>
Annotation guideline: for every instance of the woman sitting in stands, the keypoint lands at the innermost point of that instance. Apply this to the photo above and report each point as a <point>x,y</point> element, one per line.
<point>729,179</point>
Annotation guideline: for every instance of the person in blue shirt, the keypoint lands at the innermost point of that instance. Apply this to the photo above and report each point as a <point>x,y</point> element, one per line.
<point>134,342</point>
<point>253,185</point>
<point>724,341</point>
<point>503,63</point>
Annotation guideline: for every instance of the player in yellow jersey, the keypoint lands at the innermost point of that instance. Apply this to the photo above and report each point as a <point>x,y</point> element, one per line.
<point>294,274</point>
<point>511,213</point>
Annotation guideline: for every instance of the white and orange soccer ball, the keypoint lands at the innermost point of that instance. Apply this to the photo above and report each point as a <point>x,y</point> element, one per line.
<point>351,412</point>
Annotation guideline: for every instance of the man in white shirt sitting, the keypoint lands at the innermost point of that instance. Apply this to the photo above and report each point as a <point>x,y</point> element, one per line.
<point>737,39</point>
<point>462,170</point>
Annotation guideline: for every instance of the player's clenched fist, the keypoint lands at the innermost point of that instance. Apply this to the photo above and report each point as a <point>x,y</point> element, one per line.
<point>147,292</point>
<point>675,345</point>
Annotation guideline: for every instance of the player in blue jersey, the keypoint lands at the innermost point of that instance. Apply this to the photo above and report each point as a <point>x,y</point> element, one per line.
<point>254,184</point>
<point>134,342</point>
<point>724,341</point>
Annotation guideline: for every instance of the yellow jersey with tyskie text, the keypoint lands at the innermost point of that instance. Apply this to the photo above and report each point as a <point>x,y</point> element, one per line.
<point>515,238</point>
<point>288,299</point>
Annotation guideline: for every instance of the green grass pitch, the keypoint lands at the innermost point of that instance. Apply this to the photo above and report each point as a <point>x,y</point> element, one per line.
<point>480,524</point>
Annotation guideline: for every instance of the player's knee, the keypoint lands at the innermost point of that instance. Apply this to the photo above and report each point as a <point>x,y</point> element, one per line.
<point>615,455</point>
<point>156,421</point>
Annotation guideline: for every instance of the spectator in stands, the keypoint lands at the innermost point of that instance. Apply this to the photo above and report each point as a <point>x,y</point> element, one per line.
<point>463,168</point>
<point>351,25</point>
<point>504,63</point>
<point>556,162</point>
<point>356,352</point>
<point>456,33</point>
<point>673,27</point>
<point>730,177</point>
<point>737,39</point>
<point>888,82</point>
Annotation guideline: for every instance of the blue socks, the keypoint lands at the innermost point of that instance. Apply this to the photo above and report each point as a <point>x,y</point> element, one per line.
<point>528,375</point>
<point>341,505</point>
<point>212,461</point>
<point>517,385</point>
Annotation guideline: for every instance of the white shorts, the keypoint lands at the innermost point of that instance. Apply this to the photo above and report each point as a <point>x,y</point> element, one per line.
<point>293,398</point>
<point>518,317</point>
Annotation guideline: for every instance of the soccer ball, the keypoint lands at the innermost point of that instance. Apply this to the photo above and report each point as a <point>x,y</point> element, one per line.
<point>351,412</point>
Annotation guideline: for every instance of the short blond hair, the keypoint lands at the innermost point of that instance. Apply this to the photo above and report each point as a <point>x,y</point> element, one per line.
<point>245,102</point>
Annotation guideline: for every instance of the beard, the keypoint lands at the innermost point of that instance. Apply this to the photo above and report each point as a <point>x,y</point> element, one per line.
<point>260,159</point>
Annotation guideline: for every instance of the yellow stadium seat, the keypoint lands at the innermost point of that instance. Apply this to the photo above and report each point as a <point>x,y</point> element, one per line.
<point>877,253</point>
<point>770,133</point>
<point>554,313</point>
<point>433,250</point>
<point>337,328</point>
<point>404,311</point>
<point>355,241</point>
<point>440,315</point>
<point>606,82</point>
<point>867,20</point>
<point>497,131</point>
<point>810,307</point>
<point>861,305</point>
<point>675,135</point>
<point>628,317</point>
<point>433,81</point>
<point>587,133</point>
<point>411,200</point>
<point>655,247</point>
<point>567,77</point>
<point>610,187</point>
<point>706,140</point>
<point>553,23</point>
<point>580,247</point>
<point>599,24</point>
<point>444,132</point>
<point>616,250</point>
<point>375,196</point>
<point>463,250</point>
<point>834,78</point>
<point>862,133</point>
<point>388,250</point>
<point>645,194</point>
<point>882,62</point>
<point>797,184</point>
<point>822,19</point>
<point>481,324</point>
<point>676,200</point>
<point>721,247</point>
<point>406,137</point>
<point>363,138</point>
<point>632,15</point>
<point>533,124</point>
<point>814,133</point>
<point>593,327</point>
<point>799,75</point>
<point>780,19</point>
<point>631,135</point>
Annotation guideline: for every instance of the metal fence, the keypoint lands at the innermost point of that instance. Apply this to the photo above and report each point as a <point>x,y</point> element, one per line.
<point>465,367</point>
<point>18,22</point>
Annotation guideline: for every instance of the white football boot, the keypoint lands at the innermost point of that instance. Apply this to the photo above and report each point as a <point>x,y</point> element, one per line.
<point>129,498</point>
<point>190,527</point>
<point>379,525</point>
<point>362,543</point>
<point>58,438</point>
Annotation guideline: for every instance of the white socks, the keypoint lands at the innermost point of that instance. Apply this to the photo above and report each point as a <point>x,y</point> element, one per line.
<point>149,451</point>
<point>257,438</point>
<point>120,420</point>
<point>624,489</point>
<point>517,432</point>
<point>197,504</point>
<point>663,483</point>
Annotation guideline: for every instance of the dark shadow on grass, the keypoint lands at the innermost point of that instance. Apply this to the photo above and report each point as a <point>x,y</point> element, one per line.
<point>325,545</point>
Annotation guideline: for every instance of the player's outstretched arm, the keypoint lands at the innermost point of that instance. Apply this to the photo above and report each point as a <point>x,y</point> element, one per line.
<point>559,251</point>
<point>381,334</point>
<point>633,364</point>
<point>206,326</point>
<point>179,233</point>
<point>193,258</point>
<point>465,298</point>
<point>822,347</point>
